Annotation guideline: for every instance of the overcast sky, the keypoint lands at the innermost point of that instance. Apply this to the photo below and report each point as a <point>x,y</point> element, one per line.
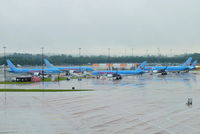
<point>63,26</point>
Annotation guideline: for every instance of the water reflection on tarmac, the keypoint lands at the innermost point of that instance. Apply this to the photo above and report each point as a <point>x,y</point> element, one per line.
<point>148,104</point>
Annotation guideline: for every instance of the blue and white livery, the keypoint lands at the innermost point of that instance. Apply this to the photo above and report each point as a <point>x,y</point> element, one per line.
<point>13,69</point>
<point>122,72</point>
<point>183,67</point>
<point>81,68</point>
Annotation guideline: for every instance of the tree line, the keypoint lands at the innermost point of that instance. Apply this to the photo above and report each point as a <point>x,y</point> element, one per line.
<point>62,59</point>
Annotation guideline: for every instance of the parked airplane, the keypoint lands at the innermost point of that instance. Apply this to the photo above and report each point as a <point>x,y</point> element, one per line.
<point>13,69</point>
<point>122,72</point>
<point>161,69</point>
<point>81,68</point>
<point>193,66</point>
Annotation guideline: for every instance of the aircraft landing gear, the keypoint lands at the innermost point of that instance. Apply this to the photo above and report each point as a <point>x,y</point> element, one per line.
<point>164,73</point>
<point>117,77</point>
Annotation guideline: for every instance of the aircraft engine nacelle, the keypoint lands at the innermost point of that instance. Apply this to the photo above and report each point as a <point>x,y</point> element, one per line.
<point>161,71</point>
<point>155,71</point>
<point>117,77</point>
<point>71,71</point>
<point>36,73</point>
<point>109,75</point>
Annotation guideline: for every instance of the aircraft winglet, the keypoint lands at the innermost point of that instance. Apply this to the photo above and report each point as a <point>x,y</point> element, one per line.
<point>194,63</point>
<point>142,65</point>
<point>187,62</point>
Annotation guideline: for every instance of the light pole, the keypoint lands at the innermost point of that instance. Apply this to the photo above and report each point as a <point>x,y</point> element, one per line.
<point>4,67</point>
<point>79,49</point>
<point>125,53</point>
<point>147,52</point>
<point>42,64</point>
<point>132,53</point>
<point>132,57</point>
<point>170,52</point>
<point>108,58</point>
<point>158,51</point>
<point>186,52</point>
<point>158,55</point>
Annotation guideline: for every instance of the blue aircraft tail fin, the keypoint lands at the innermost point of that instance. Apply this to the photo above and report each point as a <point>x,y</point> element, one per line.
<point>48,64</point>
<point>11,65</point>
<point>141,66</point>
<point>187,62</point>
<point>194,63</point>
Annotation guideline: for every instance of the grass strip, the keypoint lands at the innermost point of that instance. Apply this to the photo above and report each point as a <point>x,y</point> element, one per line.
<point>10,82</point>
<point>56,79</point>
<point>44,90</point>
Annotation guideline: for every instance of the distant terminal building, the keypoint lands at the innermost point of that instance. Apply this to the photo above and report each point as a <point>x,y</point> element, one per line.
<point>115,66</point>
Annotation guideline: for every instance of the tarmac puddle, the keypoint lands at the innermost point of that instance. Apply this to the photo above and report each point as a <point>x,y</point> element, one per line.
<point>137,104</point>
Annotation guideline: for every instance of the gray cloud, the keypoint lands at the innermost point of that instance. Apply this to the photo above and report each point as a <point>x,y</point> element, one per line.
<point>95,25</point>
